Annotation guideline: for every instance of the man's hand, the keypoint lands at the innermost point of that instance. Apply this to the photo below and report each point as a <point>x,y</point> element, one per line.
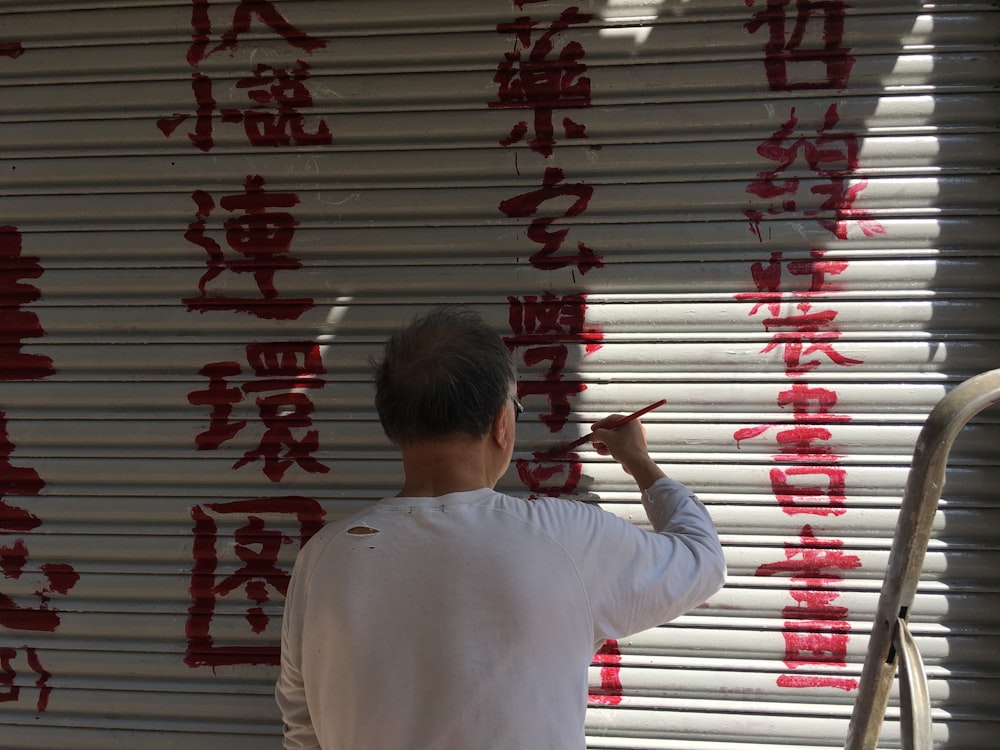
<point>627,445</point>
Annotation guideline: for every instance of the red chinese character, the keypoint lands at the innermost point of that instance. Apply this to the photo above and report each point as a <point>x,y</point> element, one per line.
<point>18,324</point>
<point>824,499</point>
<point>827,154</point>
<point>274,119</point>
<point>609,658</point>
<point>816,631</point>
<point>277,119</point>
<point>263,236</point>
<point>822,61</point>
<point>58,578</point>
<point>543,328</point>
<point>810,333</point>
<point>549,478</point>
<point>796,443</point>
<point>541,83</point>
<point>816,642</point>
<point>527,204</point>
<point>264,10</point>
<point>10,691</point>
<point>284,371</point>
<point>255,572</point>
<point>802,397</point>
<point>281,414</point>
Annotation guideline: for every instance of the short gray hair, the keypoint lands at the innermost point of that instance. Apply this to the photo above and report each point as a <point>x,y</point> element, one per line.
<point>446,373</point>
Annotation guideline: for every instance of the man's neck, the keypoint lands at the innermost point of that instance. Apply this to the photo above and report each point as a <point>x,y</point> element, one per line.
<point>437,468</point>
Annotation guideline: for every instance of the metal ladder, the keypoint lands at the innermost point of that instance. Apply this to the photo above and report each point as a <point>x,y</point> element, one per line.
<point>891,639</point>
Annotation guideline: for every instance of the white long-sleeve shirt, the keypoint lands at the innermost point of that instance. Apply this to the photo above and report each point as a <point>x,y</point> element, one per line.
<point>468,621</point>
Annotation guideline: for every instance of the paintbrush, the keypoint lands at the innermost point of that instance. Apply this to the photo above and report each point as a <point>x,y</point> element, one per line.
<point>560,450</point>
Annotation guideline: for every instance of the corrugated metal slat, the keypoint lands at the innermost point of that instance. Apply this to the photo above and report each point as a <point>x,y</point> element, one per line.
<point>399,209</point>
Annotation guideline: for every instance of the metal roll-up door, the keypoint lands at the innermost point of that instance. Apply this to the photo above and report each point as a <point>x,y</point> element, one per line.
<point>780,216</point>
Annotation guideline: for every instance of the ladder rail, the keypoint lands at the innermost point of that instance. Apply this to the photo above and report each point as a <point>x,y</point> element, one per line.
<point>906,559</point>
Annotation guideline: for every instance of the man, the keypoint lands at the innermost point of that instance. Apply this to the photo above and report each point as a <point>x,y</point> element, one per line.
<point>454,617</point>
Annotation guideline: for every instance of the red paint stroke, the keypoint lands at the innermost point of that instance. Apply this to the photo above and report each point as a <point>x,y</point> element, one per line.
<point>11,692</point>
<point>61,577</point>
<point>816,681</point>
<point>168,125</point>
<point>221,398</point>
<point>12,50</point>
<point>609,658</point>
<point>203,136</point>
<point>13,518</point>
<point>13,558</point>
<point>42,683</point>
<point>16,617</point>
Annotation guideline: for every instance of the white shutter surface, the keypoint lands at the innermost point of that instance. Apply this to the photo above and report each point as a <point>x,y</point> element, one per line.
<point>801,265</point>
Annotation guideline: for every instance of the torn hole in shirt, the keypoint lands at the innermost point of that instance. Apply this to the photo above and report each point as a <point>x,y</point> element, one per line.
<point>362,531</point>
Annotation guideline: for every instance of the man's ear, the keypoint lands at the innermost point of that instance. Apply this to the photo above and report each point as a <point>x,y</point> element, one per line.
<point>500,431</point>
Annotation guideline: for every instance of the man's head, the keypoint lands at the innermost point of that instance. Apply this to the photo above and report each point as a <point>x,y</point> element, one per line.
<point>445,374</point>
